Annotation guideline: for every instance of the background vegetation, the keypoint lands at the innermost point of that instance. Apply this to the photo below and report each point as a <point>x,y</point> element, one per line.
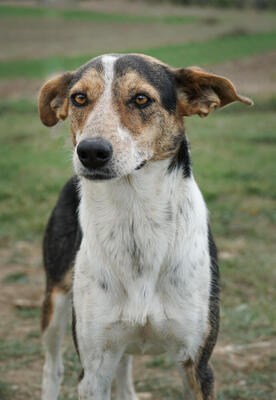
<point>259,4</point>
<point>233,159</point>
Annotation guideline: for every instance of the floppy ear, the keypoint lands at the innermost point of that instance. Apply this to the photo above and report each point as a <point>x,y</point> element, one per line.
<point>200,92</point>
<point>53,101</point>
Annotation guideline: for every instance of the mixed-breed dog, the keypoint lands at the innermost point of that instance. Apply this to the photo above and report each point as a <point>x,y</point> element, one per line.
<point>131,227</point>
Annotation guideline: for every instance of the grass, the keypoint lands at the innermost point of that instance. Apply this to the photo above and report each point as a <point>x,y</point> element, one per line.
<point>67,14</point>
<point>27,313</point>
<point>234,158</point>
<point>234,163</point>
<point>17,349</point>
<point>6,391</point>
<point>238,185</point>
<point>18,277</point>
<point>201,53</point>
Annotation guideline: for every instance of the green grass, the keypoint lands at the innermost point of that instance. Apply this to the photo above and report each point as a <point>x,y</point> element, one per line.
<point>18,277</point>
<point>201,53</point>
<point>28,313</point>
<point>17,349</point>
<point>65,14</point>
<point>162,362</point>
<point>6,391</point>
<point>28,152</point>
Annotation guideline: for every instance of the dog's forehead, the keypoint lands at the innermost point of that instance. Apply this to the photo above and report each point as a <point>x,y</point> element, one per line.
<point>122,63</point>
<point>148,69</point>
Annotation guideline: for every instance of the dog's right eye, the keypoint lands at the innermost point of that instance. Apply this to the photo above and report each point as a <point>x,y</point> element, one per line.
<point>79,99</point>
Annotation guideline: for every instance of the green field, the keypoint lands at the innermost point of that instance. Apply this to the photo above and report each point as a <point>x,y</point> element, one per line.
<point>201,53</point>
<point>11,12</point>
<point>233,153</point>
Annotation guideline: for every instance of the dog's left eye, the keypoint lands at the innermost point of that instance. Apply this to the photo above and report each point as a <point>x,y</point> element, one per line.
<point>79,99</point>
<point>141,100</point>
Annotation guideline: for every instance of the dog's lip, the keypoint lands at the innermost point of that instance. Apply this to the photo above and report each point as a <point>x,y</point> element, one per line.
<point>98,175</point>
<point>141,165</point>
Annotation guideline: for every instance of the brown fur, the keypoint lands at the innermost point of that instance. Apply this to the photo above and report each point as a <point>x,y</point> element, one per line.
<point>92,84</point>
<point>48,303</point>
<point>190,370</point>
<point>200,92</point>
<point>53,100</point>
<point>154,128</point>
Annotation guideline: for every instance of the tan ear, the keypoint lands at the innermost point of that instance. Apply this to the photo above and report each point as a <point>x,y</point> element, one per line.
<point>53,101</point>
<point>200,92</point>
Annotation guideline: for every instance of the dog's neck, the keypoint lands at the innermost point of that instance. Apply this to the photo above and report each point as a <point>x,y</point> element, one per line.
<point>138,227</point>
<point>157,181</point>
<point>152,184</point>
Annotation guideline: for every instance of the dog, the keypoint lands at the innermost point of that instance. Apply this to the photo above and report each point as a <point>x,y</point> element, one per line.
<point>132,224</point>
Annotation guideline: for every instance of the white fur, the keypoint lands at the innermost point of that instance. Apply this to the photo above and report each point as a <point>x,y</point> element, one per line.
<point>162,307</point>
<point>142,274</point>
<point>52,339</point>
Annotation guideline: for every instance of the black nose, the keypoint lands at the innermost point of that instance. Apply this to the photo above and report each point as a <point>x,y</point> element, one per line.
<point>94,153</point>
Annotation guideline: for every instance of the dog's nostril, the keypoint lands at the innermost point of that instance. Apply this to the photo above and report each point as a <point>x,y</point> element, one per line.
<point>82,154</point>
<point>102,155</point>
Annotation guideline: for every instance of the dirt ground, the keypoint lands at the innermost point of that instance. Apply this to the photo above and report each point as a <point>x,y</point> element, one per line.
<point>24,258</point>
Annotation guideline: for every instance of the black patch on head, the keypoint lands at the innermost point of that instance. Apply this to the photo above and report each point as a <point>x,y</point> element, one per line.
<point>96,63</point>
<point>155,74</point>
<point>182,159</point>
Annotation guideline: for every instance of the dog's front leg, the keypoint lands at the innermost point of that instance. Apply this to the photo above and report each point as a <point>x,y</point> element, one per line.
<point>99,332</point>
<point>124,385</point>
<point>99,369</point>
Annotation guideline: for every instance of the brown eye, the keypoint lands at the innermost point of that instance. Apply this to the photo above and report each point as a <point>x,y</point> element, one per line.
<point>142,100</point>
<point>79,99</point>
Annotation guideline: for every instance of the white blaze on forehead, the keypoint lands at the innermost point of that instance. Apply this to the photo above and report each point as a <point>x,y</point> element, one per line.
<point>104,103</point>
<point>104,121</point>
<point>108,66</point>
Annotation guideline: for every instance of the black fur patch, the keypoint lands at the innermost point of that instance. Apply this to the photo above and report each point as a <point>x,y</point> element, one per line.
<point>155,74</point>
<point>182,159</point>
<point>95,63</point>
<point>62,237</point>
<point>74,330</point>
<point>203,370</point>
<point>136,254</point>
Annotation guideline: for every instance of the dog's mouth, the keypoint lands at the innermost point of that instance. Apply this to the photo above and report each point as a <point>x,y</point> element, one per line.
<point>98,175</point>
<point>141,165</point>
<point>102,174</point>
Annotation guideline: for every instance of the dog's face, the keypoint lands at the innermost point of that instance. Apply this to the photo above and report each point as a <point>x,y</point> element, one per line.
<point>127,110</point>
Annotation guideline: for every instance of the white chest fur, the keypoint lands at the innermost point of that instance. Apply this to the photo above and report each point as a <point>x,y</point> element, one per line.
<point>142,274</point>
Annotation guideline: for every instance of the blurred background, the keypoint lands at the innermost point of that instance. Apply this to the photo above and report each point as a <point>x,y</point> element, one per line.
<point>233,158</point>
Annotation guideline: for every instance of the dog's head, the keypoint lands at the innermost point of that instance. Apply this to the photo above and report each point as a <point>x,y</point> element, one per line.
<point>126,110</point>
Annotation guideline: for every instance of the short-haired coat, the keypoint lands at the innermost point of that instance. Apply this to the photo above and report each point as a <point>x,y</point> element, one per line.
<point>134,225</point>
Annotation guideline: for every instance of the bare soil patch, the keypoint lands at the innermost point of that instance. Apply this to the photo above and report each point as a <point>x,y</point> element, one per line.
<point>255,75</point>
